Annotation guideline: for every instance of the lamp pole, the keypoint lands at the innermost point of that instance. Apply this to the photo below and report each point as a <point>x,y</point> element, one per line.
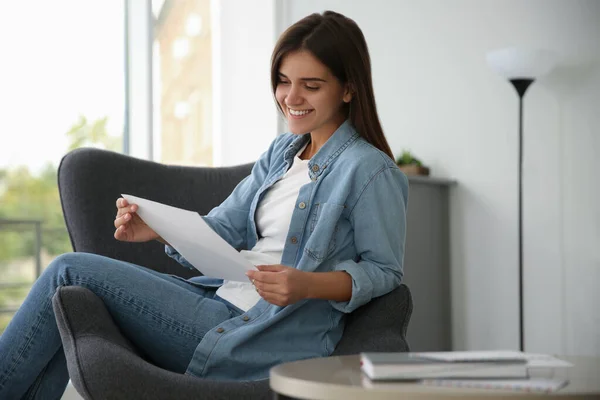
<point>521,85</point>
<point>521,67</point>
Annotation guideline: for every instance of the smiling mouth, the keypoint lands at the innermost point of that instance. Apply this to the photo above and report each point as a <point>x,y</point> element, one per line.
<point>298,113</point>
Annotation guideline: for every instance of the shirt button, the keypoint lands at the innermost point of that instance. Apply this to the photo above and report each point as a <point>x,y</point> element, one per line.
<point>302,205</point>
<point>315,168</point>
<point>220,330</point>
<point>246,318</point>
<point>294,239</point>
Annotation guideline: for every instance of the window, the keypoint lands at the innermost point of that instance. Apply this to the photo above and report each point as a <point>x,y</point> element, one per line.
<point>182,82</point>
<point>62,80</point>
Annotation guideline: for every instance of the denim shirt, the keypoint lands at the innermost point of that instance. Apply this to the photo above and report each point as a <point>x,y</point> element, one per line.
<point>350,217</point>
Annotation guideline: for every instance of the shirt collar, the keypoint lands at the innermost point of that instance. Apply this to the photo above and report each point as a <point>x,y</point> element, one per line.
<point>333,147</point>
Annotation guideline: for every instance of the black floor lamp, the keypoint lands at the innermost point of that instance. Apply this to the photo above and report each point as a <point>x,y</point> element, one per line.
<point>521,67</point>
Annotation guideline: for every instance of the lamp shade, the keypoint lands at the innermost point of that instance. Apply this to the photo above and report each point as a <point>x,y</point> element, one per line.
<point>519,63</point>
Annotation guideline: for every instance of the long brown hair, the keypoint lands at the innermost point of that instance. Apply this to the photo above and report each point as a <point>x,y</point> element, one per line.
<point>339,44</point>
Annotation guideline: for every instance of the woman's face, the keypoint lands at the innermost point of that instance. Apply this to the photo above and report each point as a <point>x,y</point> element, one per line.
<point>309,95</point>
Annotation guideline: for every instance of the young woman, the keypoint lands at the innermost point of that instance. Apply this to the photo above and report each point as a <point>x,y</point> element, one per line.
<point>322,216</point>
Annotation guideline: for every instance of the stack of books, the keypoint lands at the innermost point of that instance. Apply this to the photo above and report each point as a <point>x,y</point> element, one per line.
<point>485,369</point>
<point>416,366</point>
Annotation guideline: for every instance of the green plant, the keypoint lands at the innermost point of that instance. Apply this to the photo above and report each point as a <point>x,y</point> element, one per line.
<point>407,158</point>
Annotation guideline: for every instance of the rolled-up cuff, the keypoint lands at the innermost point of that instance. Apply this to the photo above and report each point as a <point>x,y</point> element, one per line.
<point>362,287</point>
<point>174,254</point>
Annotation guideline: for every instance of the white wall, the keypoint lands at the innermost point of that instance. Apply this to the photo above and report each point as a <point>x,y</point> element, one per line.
<point>71,393</point>
<point>437,97</point>
<point>244,112</point>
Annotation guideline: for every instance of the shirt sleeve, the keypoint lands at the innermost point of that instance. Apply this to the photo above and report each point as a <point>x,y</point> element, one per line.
<point>174,254</point>
<point>379,222</point>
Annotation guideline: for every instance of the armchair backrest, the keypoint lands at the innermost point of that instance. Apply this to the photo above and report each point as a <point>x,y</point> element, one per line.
<point>91,180</point>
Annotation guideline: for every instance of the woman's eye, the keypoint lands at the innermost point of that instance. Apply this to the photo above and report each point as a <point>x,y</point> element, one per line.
<point>283,82</point>
<point>312,87</point>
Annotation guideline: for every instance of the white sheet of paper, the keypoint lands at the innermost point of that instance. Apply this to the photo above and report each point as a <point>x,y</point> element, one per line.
<point>473,355</point>
<point>533,384</point>
<point>545,361</point>
<point>194,239</point>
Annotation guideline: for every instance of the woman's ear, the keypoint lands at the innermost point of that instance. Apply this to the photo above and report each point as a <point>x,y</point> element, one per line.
<point>348,94</point>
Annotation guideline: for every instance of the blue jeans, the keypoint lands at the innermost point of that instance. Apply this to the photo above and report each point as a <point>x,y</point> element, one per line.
<point>164,316</point>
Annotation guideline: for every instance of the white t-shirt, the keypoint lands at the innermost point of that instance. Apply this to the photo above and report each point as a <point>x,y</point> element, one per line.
<point>273,218</point>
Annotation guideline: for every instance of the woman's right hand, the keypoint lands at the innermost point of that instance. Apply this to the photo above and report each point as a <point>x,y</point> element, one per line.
<point>129,226</point>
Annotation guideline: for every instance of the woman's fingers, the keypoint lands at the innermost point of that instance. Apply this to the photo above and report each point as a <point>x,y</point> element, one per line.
<point>125,215</point>
<point>272,288</point>
<point>126,209</point>
<point>120,233</point>
<point>122,220</point>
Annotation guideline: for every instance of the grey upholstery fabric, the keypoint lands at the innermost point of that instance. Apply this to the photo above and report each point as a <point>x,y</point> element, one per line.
<point>101,361</point>
<point>104,365</point>
<point>379,325</point>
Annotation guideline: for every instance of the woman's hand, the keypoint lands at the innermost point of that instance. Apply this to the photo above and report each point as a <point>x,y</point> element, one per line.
<point>130,227</point>
<point>280,285</point>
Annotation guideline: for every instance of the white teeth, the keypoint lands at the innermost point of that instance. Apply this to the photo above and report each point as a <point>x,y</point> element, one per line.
<point>298,113</point>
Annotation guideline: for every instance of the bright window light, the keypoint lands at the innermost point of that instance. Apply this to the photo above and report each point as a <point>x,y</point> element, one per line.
<point>193,25</point>
<point>182,109</point>
<point>181,48</point>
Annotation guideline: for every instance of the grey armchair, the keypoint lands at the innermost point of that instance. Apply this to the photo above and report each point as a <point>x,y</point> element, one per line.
<point>102,363</point>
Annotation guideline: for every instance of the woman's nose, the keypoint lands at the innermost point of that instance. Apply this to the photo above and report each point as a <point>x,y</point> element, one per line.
<point>293,97</point>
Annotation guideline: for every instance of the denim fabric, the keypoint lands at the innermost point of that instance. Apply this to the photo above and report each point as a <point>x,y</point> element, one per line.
<point>163,315</point>
<point>353,219</point>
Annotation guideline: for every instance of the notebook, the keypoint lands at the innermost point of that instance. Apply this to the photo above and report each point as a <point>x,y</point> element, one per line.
<point>414,366</point>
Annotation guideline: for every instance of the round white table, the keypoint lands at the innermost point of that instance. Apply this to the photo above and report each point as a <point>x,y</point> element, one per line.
<point>340,378</point>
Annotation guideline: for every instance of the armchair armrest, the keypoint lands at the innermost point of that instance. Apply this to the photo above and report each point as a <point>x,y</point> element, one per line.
<point>390,314</point>
<point>103,364</point>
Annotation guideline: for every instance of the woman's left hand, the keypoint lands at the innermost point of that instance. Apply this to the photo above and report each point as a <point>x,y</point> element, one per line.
<point>280,285</point>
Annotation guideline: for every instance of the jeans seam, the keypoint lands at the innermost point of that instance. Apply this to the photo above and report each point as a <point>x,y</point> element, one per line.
<point>27,345</point>
<point>124,300</point>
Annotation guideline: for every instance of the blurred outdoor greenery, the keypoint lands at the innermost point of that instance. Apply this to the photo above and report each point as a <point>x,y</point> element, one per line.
<point>34,196</point>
